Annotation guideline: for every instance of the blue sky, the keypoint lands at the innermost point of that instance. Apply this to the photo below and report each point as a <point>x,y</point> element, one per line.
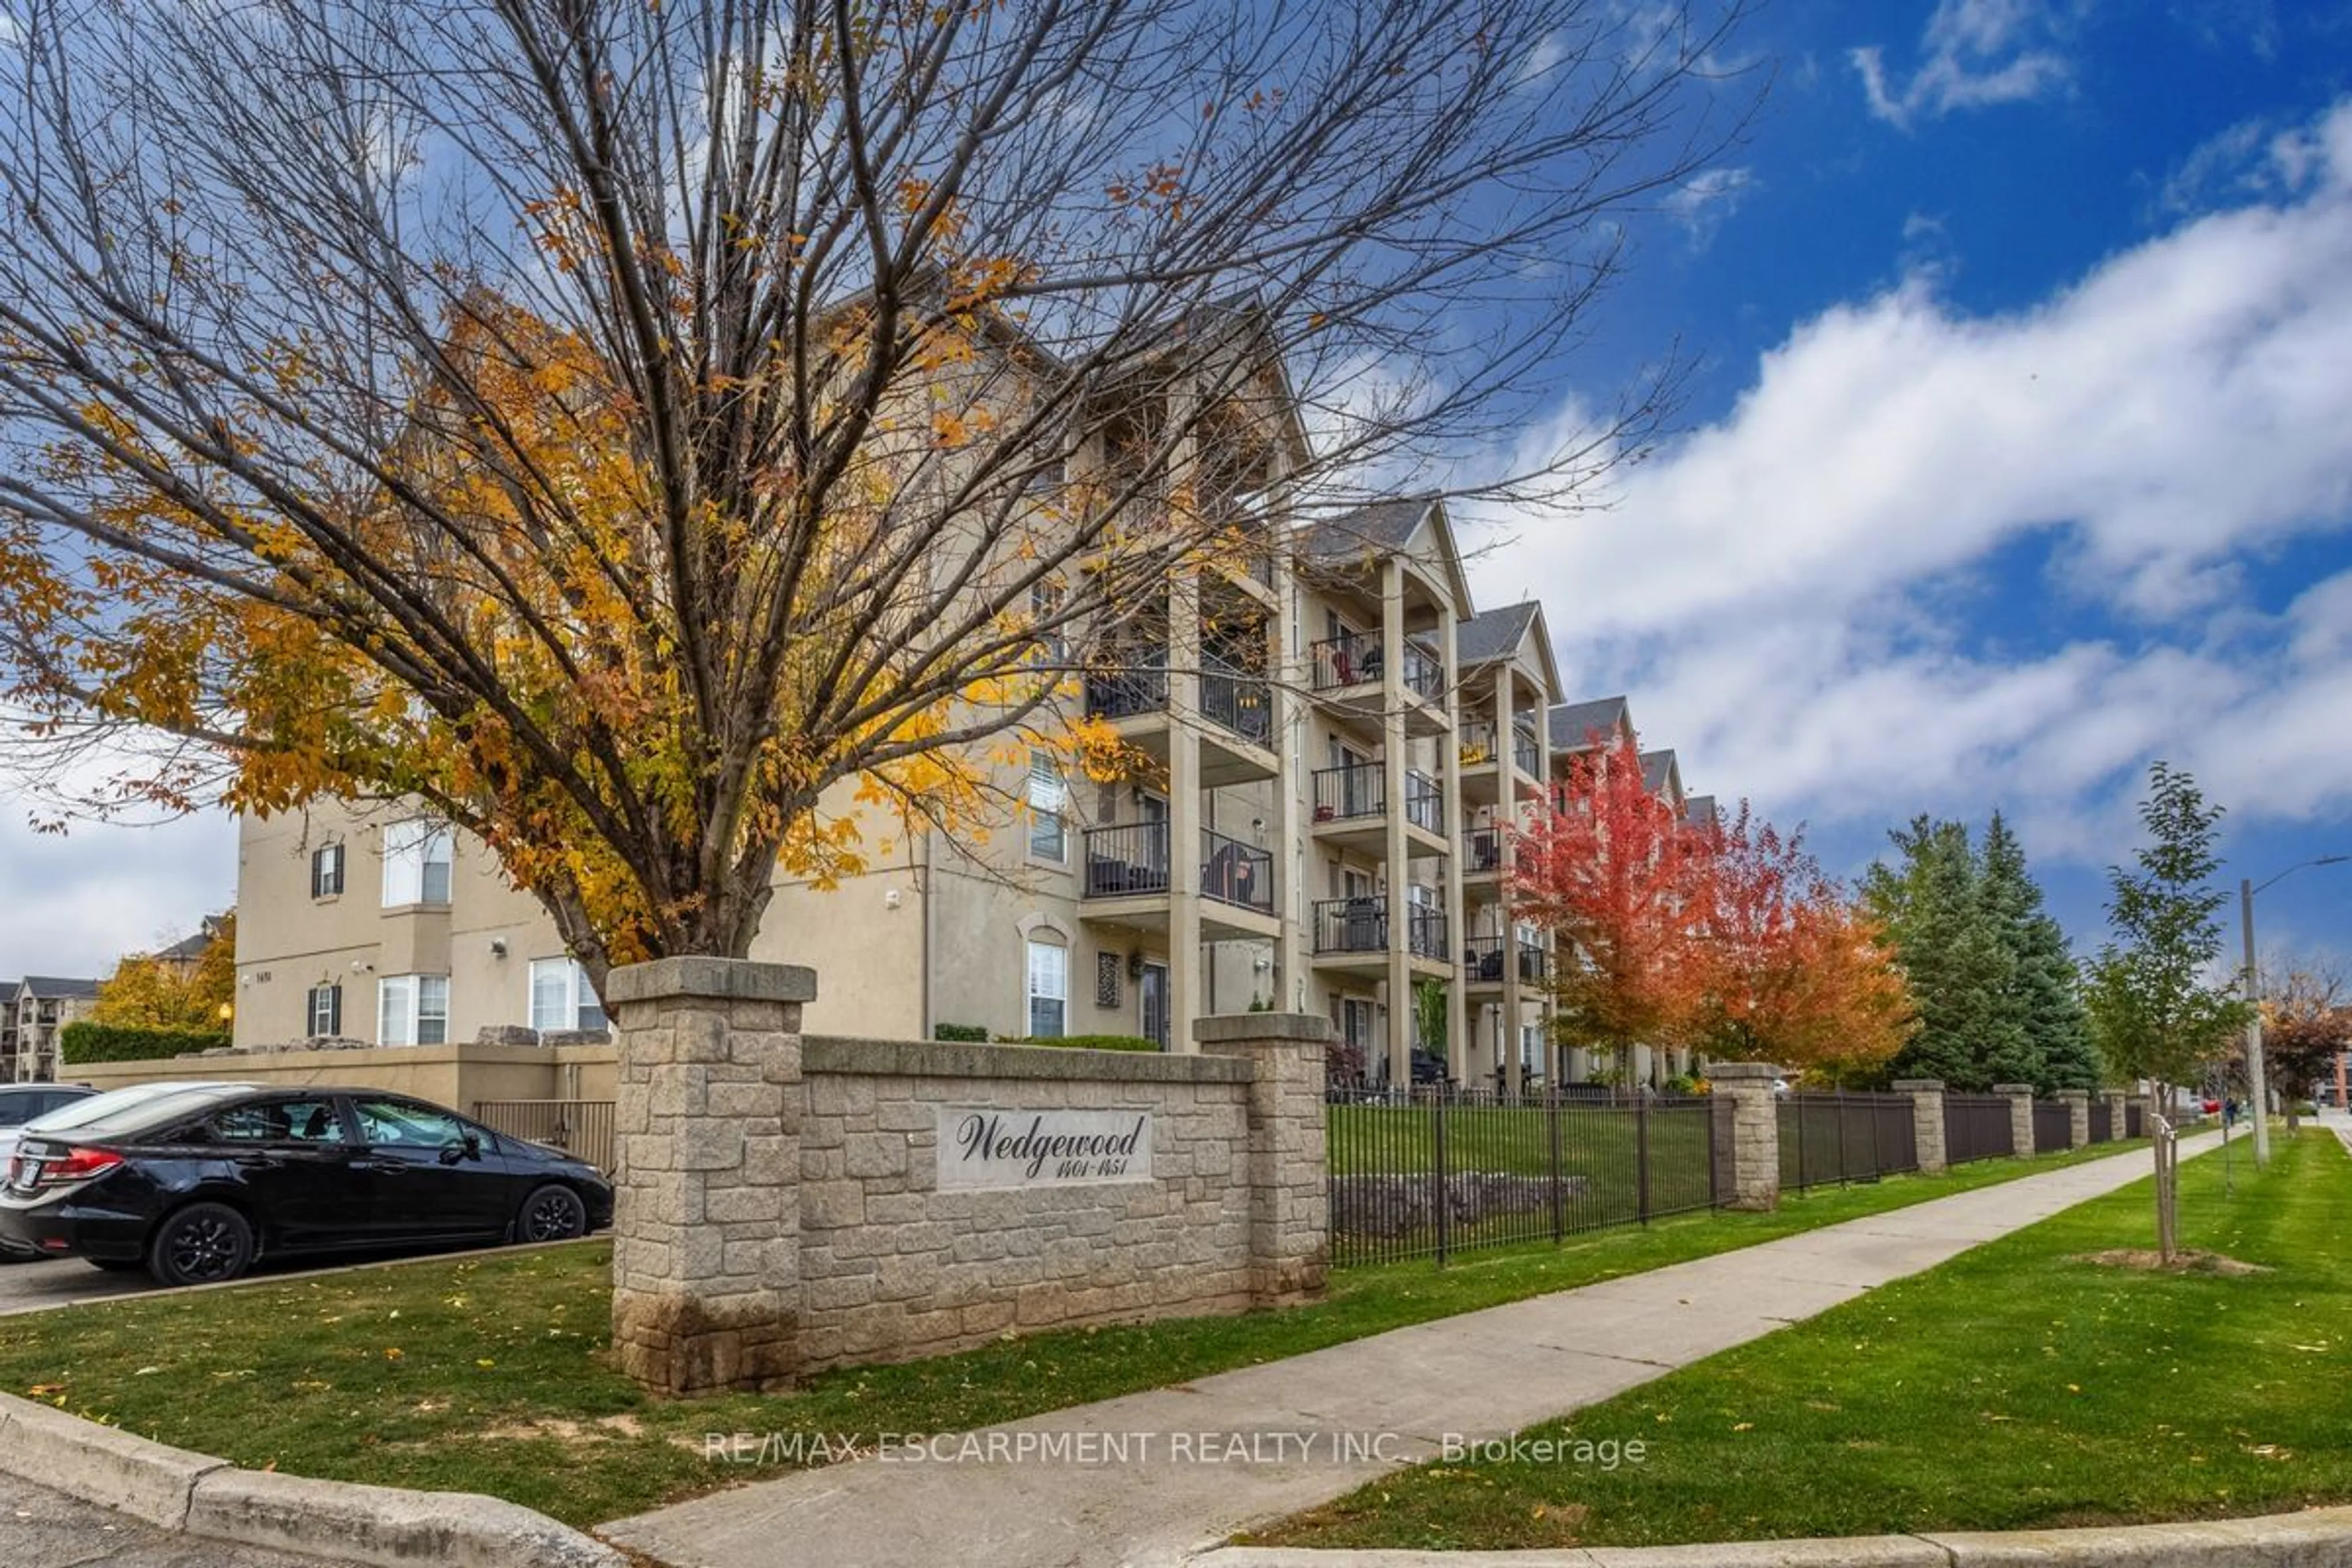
<point>2018,452</point>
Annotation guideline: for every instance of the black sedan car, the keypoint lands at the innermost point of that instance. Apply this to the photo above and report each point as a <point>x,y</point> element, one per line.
<point>196,1183</point>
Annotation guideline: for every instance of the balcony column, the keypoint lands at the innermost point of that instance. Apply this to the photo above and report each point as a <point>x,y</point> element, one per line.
<point>1400,1019</point>
<point>1450,820</point>
<point>1186,962</point>
<point>1507,806</point>
<point>1290,677</point>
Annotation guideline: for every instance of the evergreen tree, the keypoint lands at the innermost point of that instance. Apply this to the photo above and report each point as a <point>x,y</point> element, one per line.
<point>2045,997</point>
<point>1955,958</point>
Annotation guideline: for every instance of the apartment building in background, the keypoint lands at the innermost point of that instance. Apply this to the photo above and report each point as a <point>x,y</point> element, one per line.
<point>1328,740</point>
<point>32,1012</point>
<point>1331,743</point>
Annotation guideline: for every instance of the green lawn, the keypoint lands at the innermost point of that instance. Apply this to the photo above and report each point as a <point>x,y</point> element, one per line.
<point>486,1374</point>
<point>2016,1386</point>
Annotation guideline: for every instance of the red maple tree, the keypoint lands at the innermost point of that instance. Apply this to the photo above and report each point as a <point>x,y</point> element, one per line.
<point>1616,877</point>
<point>1790,969</point>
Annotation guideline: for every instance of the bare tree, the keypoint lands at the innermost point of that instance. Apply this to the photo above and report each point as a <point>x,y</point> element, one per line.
<point>615,423</point>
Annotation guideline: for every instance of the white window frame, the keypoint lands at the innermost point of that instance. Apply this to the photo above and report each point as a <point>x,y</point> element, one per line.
<point>414,850</point>
<point>579,997</point>
<point>413,1010</point>
<point>331,1026</point>
<point>1049,795</point>
<point>1045,978</point>
<point>327,883</point>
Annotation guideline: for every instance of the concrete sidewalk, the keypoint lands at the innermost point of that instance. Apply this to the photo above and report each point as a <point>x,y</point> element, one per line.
<point>1151,1478</point>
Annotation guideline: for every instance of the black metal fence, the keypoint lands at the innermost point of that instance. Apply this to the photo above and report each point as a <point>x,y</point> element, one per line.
<point>2134,1117</point>
<point>582,1127</point>
<point>1831,1139</point>
<point>2054,1127</point>
<point>1439,1170</point>
<point>2103,1121</point>
<point>1976,1127</point>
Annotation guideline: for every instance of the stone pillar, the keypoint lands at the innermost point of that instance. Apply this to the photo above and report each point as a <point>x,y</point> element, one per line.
<point>705,1230</point>
<point>2021,1116</point>
<point>2117,1122</point>
<point>1746,1135</point>
<point>1290,1193</point>
<point>2078,1117</point>
<point>1927,1120</point>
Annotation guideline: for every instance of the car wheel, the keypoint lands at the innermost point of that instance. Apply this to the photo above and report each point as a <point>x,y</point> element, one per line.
<point>201,1245</point>
<point>551,1213</point>
<point>115,1264</point>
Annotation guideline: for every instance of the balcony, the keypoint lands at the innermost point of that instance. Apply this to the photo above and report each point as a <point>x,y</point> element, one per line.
<point>1350,806</point>
<point>1483,958</point>
<point>1237,739</point>
<point>1346,672</point>
<point>1525,755</point>
<point>1127,874</point>
<point>1482,852</point>
<point>1353,934</point>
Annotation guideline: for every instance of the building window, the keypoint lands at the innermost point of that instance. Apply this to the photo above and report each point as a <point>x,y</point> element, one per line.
<point>1045,605</point>
<point>561,996</point>
<point>1048,839</point>
<point>416,856</point>
<point>326,870</point>
<point>413,1010</point>
<point>326,1012</point>
<point>1049,990</point>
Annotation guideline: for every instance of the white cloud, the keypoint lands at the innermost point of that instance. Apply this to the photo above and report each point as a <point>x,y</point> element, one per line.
<point>1701,202</point>
<point>1797,594</point>
<point>1974,53</point>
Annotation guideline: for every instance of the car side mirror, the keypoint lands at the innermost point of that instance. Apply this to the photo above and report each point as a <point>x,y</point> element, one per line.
<point>467,1148</point>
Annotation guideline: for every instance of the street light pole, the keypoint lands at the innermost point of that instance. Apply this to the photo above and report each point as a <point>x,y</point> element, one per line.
<point>2256,1089</point>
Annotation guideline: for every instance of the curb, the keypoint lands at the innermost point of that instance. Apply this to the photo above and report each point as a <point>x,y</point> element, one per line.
<point>341,1522</point>
<point>2316,1538</point>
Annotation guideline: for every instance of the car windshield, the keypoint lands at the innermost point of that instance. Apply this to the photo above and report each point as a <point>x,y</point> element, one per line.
<point>131,1110</point>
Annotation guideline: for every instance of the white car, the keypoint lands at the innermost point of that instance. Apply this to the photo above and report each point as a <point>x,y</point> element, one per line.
<point>23,1102</point>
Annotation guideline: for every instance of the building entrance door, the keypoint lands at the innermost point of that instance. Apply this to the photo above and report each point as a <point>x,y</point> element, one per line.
<point>1155,1003</point>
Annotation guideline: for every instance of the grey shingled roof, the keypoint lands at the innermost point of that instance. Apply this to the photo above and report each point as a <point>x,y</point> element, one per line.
<point>187,948</point>
<point>1491,634</point>
<point>50,985</point>
<point>1655,767</point>
<point>1571,722</point>
<point>1381,526</point>
<point>1700,809</point>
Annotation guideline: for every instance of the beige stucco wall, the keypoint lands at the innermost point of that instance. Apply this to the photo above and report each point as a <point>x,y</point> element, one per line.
<point>457,1076</point>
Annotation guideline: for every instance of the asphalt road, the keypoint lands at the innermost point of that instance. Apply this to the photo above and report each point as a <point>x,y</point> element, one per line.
<point>41,1529</point>
<point>55,1282</point>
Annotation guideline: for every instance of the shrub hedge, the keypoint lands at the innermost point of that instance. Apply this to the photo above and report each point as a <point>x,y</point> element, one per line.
<point>973,1033</point>
<point>1093,1043</point>
<point>84,1041</point>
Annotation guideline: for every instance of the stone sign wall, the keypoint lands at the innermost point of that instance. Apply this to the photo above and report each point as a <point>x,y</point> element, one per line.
<point>790,1202</point>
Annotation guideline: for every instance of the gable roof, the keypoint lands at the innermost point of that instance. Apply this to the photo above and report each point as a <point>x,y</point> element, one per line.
<point>1387,527</point>
<point>1659,770</point>
<point>187,948</point>
<point>1492,634</point>
<point>1700,810</point>
<point>1572,723</point>
<point>50,985</point>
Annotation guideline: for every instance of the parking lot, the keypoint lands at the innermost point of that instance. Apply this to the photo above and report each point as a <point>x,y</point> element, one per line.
<point>56,1281</point>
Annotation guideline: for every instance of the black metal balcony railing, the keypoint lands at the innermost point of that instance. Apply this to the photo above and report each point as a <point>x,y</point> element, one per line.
<point>1138,688</point>
<point>1482,850</point>
<point>1361,925</point>
<point>1483,958</point>
<point>1235,873</point>
<point>1126,861</point>
<point>1361,789</point>
<point>1236,701</point>
<point>1525,753</point>
<point>1476,742</point>
<point>1424,671</point>
<point>1355,659</point>
<point>1424,801</point>
<point>1121,861</point>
